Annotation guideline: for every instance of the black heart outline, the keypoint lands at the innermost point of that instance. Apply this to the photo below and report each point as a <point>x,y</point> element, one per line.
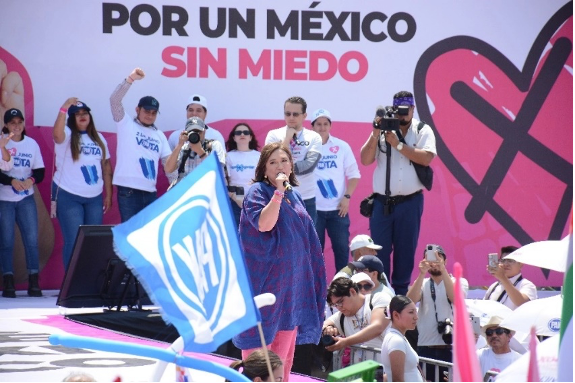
<point>482,196</point>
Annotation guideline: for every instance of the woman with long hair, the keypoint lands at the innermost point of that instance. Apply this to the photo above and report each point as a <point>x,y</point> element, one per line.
<point>83,171</point>
<point>241,161</point>
<point>17,203</point>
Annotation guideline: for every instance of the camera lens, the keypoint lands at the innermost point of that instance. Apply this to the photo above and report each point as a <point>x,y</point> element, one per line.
<point>327,340</point>
<point>429,247</point>
<point>193,137</point>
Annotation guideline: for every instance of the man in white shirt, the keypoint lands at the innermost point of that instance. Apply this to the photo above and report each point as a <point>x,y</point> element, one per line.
<point>499,354</point>
<point>511,289</point>
<point>141,146</point>
<point>337,176</point>
<point>435,296</point>
<point>305,145</point>
<point>197,107</point>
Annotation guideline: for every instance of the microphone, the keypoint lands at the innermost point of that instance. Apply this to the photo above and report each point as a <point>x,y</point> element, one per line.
<point>380,111</point>
<point>286,183</point>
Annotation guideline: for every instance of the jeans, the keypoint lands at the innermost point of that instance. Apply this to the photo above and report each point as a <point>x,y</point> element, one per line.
<point>338,230</point>
<point>397,232</point>
<point>72,211</point>
<point>310,208</point>
<point>25,215</point>
<point>237,212</point>
<point>132,201</point>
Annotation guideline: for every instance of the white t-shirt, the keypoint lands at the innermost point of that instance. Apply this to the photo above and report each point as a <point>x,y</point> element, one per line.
<point>337,165</point>
<point>427,323</point>
<point>395,341</point>
<point>304,174</point>
<point>27,156</point>
<point>524,286</point>
<point>138,153</point>
<point>488,360</point>
<point>362,318</point>
<point>84,176</point>
<point>211,134</point>
<point>241,167</point>
<point>403,179</point>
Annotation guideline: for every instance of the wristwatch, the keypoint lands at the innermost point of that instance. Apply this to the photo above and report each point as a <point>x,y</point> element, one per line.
<point>347,196</point>
<point>399,146</point>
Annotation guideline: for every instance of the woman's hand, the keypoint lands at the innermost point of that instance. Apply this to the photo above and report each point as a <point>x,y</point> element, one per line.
<point>279,181</point>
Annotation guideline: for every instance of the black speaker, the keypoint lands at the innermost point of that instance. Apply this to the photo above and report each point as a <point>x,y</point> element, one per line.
<point>96,277</point>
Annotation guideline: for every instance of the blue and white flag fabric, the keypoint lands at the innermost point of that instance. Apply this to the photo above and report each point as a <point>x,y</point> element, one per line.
<point>184,250</point>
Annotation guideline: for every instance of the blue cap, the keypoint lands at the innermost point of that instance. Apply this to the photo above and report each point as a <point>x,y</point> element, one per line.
<point>149,103</point>
<point>77,107</point>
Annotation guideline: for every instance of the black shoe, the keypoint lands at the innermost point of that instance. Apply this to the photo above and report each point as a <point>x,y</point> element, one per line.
<point>9,289</point>
<point>33,287</point>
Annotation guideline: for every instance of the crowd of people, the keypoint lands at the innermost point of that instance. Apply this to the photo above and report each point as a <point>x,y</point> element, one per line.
<point>296,179</point>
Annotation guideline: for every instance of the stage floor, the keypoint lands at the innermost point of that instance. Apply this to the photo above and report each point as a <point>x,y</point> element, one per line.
<point>27,356</point>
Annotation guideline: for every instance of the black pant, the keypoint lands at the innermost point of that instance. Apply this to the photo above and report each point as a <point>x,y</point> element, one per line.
<point>444,354</point>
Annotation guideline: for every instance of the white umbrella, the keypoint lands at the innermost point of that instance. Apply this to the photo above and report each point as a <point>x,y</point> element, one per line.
<point>545,254</point>
<point>485,309</point>
<point>547,354</point>
<point>544,314</point>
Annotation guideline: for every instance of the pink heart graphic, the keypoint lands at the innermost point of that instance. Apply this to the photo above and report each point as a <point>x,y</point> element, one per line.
<point>12,151</point>
<point>504,134</point>
<point>334,149</point>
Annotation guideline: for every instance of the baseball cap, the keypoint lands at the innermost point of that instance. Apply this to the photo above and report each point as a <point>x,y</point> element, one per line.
<point>11,113</point>
<point>195,123</point>
<point>198,99</point>
<point>320,113</point>
<point>75,108</point>
<point>367,262</point>
<point>149,103</point>
<point>362,277</point>
<point>363,240</point>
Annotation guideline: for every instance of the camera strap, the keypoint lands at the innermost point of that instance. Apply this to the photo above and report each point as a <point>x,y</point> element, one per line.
<point>433,296</point>
<point>504,292</point>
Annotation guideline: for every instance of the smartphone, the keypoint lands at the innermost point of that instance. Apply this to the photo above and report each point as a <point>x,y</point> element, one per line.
<point>430,255</point>
<point>493,259</point>
<point>475,324</point>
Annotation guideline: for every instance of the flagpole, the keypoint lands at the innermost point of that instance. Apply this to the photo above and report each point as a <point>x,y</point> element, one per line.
<point>265,350</point>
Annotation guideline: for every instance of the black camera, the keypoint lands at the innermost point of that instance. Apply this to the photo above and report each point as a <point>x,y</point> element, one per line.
<point>239,190</point>
<point>327,340</point>
<point>445,328</point>
<point>388,114</point>
<point>193,136</point>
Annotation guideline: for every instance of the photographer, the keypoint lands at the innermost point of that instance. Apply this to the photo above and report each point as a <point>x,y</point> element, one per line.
<point>191,150</point>
<point>435,295</point>
<point>398,204</point>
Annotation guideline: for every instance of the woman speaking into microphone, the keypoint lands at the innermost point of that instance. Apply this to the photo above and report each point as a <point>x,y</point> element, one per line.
<point>284,257</point>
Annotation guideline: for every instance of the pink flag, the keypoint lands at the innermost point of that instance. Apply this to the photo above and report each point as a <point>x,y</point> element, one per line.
<point>533,373</point>
<point>465,362</point>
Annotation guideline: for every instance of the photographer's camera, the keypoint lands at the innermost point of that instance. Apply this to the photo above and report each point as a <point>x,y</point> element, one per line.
<point>445,328</point>
<point>388,114</point>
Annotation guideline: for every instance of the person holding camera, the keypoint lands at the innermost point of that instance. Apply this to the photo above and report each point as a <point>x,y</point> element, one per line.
<point>363,319</point>
<point>191,150</point>
<point>511,289</point>
<point>140,147</point>
<point>398,199</point>
<point>435,296</point>
<point>241,160</point>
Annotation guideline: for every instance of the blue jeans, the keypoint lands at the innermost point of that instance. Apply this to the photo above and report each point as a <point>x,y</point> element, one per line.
<point>237,212</point>
<point>72,211</point>
<point>132,201</point>
<point>338,230</point>
<point>397,232</point>
<point>25,215</point>
<point>310,208</point>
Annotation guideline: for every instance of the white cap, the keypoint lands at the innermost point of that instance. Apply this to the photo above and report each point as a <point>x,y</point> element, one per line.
<point>361,277</point>
<point>363,240</point>
<point>320,113</point>
<point>198,99</point>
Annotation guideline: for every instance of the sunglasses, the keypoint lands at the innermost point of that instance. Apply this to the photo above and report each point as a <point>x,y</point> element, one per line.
<point>364,286</point>
<point>507,260</point>
<point>240,132</point>
<point>295,114</point>
<point>498,331</point>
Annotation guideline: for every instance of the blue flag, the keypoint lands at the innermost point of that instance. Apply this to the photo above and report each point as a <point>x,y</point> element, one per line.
<point>184,250</point>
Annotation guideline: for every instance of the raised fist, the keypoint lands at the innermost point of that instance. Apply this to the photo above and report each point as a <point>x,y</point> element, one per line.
<point>137,74</point>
